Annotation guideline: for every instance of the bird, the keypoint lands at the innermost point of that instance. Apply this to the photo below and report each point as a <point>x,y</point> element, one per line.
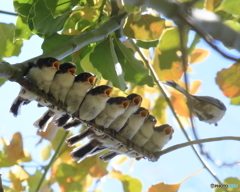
<point>59,88</point>
<point>140,138</point>
<point>161,136</point>
<point>115,106</point>
<point>207,109</point>
<point>93,103</point>
<point>82,83</point>
<point>117,124</point>
<point>41,74</point>
<point>134,105</point>
<point>134,122</point>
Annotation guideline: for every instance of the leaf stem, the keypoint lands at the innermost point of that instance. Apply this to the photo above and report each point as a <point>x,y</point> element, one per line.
<point>52,161</point>
<point>101,11</point>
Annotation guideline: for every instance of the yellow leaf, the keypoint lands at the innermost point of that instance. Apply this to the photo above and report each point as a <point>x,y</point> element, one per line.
<point>16,183</point>
<point>88,13</point>
<point>20,173</point>
<point>158,110</point>
<point>162,187</point>
<point>198,55</point>
<point>46,153</point>
<point>228,81</point>
<point>27,157</point>
<point>120,159</point>
<point>14,150</point>
<point>99,169</point>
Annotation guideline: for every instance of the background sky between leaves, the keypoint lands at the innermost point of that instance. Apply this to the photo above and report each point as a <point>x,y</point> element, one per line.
<point>171,168</point>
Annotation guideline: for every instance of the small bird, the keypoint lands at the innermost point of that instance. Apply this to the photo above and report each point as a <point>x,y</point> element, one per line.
<point>93,103</point>
<point>117,124</point>
<point>134,105</point>
<point>207,109</point>
<point>59,88</point>
<point>41,74</point>
<point>115,106</point>
<point>133,124</point>
<point>145,132</point>
<point>82,83</point>
<point>160,137</point>
<point>140,138</point>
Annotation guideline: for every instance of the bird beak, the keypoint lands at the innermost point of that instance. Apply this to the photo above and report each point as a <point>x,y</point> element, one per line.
<point>125,104</point>
<point>144,113</point>
<point>168,130</point>
<point>72,70</point>
<point>108,92</point>
<point>91,80</point>
<point>56,65</point>
<point>137,100</point>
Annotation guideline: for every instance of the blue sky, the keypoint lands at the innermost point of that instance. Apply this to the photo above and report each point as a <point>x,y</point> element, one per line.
<point>172,167</point>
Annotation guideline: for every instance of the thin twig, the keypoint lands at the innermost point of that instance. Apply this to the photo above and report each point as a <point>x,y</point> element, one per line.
<point>178,146</point>
<point>52,161</point>
<point>9,13</point>
<point>205,36</point>
<point>101,11</point>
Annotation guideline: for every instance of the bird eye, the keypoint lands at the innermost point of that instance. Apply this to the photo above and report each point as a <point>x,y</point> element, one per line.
<point>50,61</point>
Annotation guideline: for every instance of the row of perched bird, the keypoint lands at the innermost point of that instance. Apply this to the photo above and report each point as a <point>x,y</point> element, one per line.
<point>124,115</point>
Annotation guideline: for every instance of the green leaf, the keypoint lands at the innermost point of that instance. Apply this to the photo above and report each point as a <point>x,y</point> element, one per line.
<point>33,180</point>
<point>233,185</point>
<point>131,184</point>
<point>63,172</point>
<point>22,30</point>
<point>4,162</point>
<point>231,6</point>
<point>87,66</point>
<point>147,28</point>
<point>23,6</point>
<point>233,24</point>
<point>134,69</point>
<point>53,41</point>
<point>159,109</point>
<point>105,60</point>
<point>46,153</point>
<point>73,186</point>
<point>72,20</point>
<point>169,45</point>
<point>8,48</point>
<point>147,44</point>
<point>59,7</point>
<point>44,22</point>
<point>2,81</point>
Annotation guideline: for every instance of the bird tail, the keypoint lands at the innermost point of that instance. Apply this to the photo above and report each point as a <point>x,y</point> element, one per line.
<point>71,124</point>
<point>16,106</point>
<point>62,120</point>
<point>176,86</point>
<point>76,138</point>
<point>108,156</point>
<point>82,152</point>
<point>43,121</point>
<point>98,150</point>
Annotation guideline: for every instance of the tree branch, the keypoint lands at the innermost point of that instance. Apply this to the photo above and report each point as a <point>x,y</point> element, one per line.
<point>178,146</point>
<point>208,29</point>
